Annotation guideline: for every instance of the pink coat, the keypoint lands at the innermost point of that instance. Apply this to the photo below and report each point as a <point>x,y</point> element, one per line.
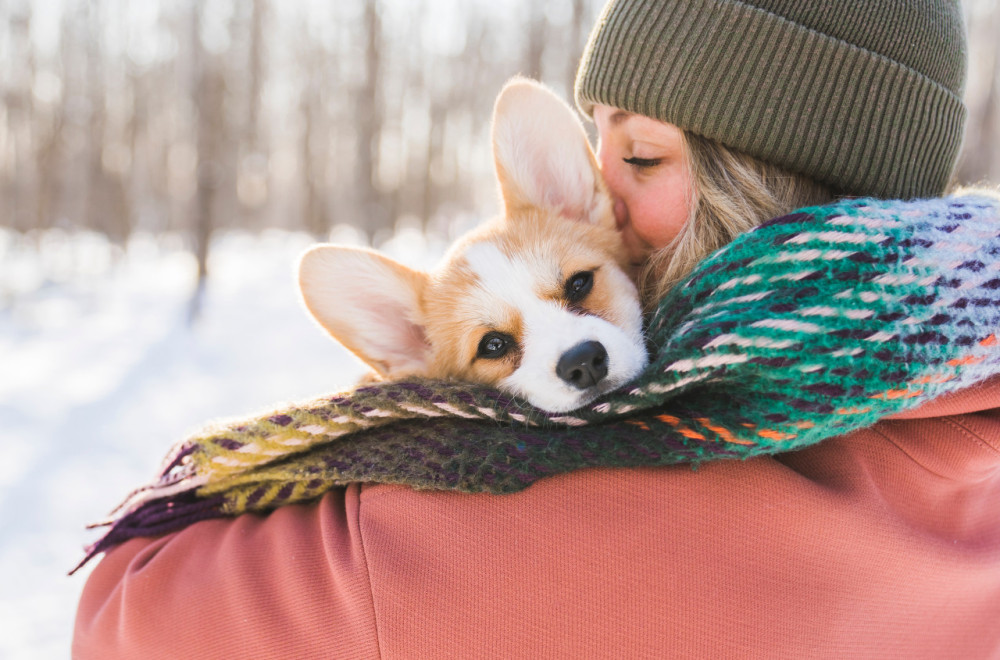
<point>883,543</point>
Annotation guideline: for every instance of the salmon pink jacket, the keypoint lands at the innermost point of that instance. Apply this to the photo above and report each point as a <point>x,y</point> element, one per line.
<point>884,543</point>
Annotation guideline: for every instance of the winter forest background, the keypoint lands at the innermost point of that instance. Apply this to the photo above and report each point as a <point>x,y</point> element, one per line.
<point>161,166</point>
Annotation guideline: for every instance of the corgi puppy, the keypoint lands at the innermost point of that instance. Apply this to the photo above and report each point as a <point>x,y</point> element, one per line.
<point>537,302</point>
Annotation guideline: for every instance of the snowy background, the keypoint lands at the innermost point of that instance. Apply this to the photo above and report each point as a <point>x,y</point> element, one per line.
<point>101,370</point>
<point>133,135</point>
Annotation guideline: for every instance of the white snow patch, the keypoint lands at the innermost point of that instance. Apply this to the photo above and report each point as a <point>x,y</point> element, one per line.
<point>100,372</point>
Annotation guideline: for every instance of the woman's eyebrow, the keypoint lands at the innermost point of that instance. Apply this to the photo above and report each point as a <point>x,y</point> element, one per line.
<point>618,117</point>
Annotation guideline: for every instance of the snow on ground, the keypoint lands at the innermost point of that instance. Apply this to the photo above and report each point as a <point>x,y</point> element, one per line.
<point>100,372</point>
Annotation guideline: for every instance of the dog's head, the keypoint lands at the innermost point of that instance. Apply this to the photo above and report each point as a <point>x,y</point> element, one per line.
<point>537,302</point>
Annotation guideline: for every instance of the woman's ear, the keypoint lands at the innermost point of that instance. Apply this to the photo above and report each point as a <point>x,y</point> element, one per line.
<point>370,304</point>
<point>542,156</point>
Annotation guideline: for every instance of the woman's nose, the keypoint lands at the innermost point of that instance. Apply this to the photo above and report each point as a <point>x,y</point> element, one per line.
<point>611,180</point>
<point>621,211</point>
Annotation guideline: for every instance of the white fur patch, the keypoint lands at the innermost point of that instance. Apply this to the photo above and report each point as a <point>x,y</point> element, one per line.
<point>549,330</point>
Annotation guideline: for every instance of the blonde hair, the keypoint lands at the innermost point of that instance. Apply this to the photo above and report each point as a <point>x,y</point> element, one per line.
<point>732,193</point>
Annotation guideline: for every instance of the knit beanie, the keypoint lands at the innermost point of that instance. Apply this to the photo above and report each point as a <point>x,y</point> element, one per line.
<point>864,96</point>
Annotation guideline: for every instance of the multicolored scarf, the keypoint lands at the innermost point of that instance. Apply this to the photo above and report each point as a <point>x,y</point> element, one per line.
<point>810,326</point>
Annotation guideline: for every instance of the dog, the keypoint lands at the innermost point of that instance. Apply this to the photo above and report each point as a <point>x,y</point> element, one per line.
<point>537,302</point>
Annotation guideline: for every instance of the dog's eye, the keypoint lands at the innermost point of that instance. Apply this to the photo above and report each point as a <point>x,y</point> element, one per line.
<point>579,285</point>
<point>494,345</point>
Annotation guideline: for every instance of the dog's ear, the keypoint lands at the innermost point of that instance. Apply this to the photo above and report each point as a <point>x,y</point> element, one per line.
<point>542,155</point>
<point>370,304</point>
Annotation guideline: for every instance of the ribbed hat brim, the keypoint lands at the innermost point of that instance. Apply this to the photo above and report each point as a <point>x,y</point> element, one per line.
<point>758,83</point>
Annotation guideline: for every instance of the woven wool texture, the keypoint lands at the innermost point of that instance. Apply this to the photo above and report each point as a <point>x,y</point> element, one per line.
<point>812,325</point>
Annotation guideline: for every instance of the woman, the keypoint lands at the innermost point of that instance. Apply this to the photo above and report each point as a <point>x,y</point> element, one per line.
<point>713,117</point>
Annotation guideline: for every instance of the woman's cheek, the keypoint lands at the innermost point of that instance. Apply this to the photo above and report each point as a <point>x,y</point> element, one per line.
<point>653,222</point>
<point>661,213</point>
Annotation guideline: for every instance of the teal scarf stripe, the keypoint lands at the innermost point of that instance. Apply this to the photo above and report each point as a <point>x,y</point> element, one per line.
<point>836,315</point>
<point>810,326</point>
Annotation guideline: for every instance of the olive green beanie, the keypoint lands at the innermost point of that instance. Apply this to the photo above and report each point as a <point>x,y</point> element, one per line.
<point>864,96</point>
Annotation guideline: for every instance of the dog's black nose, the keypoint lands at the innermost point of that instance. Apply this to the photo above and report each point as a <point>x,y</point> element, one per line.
<point>584,365</point>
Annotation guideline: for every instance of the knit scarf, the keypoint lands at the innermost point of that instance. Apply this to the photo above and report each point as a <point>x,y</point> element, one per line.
<point>810,326</point>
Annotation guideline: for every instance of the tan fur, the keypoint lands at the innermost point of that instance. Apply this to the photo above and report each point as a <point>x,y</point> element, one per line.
<point>558,221</point>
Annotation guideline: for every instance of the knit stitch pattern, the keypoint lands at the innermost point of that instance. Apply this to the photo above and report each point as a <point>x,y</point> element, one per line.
<point>812,325</point>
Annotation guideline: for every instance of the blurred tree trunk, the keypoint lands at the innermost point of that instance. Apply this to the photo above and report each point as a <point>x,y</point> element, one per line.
<point>256,66</point>
<point>577,34</point>
<point>252,166</point>
<point>435,146</point>
<point>537,35</point>
<point>981,152</point>
<point>49,158</point>
<point>18,107</point>
<point>209,89</point>
<point>992,135</point>
<point>313,135</point>
<point>94,85</point>
<point>369,117</point>
<point>988,131</point>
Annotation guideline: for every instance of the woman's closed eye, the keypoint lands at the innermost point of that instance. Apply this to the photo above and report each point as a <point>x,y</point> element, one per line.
<point>642,163</point>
